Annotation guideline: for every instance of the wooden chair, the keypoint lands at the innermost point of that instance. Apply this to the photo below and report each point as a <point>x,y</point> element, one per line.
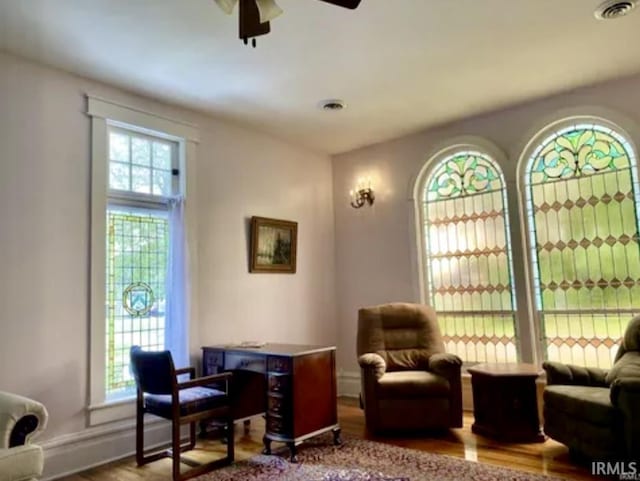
<point>160,394</point>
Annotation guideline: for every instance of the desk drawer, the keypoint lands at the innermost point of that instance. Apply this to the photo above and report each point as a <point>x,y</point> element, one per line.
<point>278,425</point>
<point>277,404</point>
<point>246,362</point>
<point>212,362</point>
<point>279,383</point>
<point>279,364</point>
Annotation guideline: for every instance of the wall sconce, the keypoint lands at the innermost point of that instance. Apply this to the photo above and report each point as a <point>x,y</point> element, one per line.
<point>363,194</point>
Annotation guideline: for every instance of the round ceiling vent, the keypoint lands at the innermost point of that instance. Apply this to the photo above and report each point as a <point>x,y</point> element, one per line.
<point>612,9</point>
<point>332,105</point>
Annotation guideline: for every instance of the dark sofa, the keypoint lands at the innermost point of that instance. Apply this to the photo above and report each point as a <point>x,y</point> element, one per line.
<point>595,412</point>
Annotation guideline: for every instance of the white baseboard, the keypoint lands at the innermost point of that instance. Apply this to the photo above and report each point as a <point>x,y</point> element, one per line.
<point>72,453</point>
<point>349,386</point>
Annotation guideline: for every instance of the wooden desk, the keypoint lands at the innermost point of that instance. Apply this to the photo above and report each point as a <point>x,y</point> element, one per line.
<point>294,385</point>
<point>505,403</point>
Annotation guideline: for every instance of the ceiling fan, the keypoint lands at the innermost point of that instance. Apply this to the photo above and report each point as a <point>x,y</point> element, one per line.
<point>255,15</point>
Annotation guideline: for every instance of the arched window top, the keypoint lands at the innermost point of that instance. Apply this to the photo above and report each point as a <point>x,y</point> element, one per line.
<point>577,151</point>
<point>463,173</point>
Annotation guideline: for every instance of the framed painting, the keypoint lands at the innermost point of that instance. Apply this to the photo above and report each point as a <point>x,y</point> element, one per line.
<point>273,245</point>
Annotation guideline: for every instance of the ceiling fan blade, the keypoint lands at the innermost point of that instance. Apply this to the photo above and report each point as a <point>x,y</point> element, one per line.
<point>249,18</point>
<point>227,6</point>
<point>268,10</point>
<point>344,3</point>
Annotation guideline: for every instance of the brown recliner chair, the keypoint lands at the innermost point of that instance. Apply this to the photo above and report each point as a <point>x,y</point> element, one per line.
<point>596,412</point>
<point>408,381</point>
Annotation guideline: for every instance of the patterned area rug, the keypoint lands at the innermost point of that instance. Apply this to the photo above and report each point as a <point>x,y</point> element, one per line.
<point>360,460</point>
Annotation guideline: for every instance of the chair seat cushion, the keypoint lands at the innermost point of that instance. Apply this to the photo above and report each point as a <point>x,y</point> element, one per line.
<point>192,400</point>
<point>412,384</point>
<point>591,404</point>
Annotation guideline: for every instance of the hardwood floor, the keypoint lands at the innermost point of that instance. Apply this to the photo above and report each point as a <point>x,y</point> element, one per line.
<point>542,458</point>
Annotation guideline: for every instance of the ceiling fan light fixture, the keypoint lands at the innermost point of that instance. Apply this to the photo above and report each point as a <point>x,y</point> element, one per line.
<point>227,6</point>
<point>268,10</point>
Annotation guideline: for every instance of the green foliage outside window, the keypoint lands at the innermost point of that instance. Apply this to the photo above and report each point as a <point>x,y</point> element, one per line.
<point>137,247</point>
<point>584,228</point>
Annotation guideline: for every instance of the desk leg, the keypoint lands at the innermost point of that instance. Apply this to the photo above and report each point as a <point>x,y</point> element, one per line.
<point>294,452</point>
<point>267,445</point>
<point>337,440</point>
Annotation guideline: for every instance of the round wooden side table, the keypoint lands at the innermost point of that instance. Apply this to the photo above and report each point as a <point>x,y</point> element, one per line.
<point>505,403</point>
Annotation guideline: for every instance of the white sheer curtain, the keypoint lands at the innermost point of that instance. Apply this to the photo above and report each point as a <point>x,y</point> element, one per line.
<point>176,321</point>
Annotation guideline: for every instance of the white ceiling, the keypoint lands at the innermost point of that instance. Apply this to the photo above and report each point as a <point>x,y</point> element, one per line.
<point>401,65</point>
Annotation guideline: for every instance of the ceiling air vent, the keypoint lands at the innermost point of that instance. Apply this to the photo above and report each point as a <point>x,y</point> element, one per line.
<point>332,104</point>
<point>612,9</point>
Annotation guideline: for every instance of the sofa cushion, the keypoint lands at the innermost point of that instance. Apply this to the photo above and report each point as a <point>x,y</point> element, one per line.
<point>412,384</point>
<point>591,404</point>
<point>595,441</point>
<point>627,366</point>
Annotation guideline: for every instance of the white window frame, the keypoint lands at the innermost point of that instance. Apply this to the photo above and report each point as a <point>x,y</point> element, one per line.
<point>104,113</point>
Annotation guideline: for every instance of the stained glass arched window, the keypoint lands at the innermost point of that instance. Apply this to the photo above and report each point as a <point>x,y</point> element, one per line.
<point>582,206</point>
<point>468,257</point>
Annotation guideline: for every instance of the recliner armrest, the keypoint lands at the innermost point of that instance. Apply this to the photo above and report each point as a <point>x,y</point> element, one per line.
<point>21,419</point>
<point>630,385</point>
<point>445,364</point>
<point>625,395</point>
<point>374,362</point>
<point>558,373</point>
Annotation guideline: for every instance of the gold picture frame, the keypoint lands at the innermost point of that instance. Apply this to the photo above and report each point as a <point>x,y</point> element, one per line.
<point>273,245</point>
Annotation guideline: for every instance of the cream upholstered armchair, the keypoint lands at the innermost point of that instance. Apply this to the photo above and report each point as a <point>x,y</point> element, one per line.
<point>21,420</point>
<point>408,381</point>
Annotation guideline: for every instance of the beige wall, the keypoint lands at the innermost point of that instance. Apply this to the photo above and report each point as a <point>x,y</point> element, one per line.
<point>376,248</point>
<point>44,236</point>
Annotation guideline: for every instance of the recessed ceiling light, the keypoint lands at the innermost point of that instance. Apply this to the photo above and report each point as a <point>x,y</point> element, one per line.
<point>333,105</point>
<point>612,9</point>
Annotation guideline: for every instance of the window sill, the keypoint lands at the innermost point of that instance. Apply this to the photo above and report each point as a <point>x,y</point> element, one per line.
<point>110,411</point>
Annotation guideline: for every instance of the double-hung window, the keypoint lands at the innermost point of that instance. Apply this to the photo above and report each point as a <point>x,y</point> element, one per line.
<point>138,247</point>
<point>143,178</point>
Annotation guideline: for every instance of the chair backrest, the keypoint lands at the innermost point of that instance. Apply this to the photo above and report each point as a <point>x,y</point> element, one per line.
<point>631,339</point>
<point>404,334</point>
<point>154,372</point>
